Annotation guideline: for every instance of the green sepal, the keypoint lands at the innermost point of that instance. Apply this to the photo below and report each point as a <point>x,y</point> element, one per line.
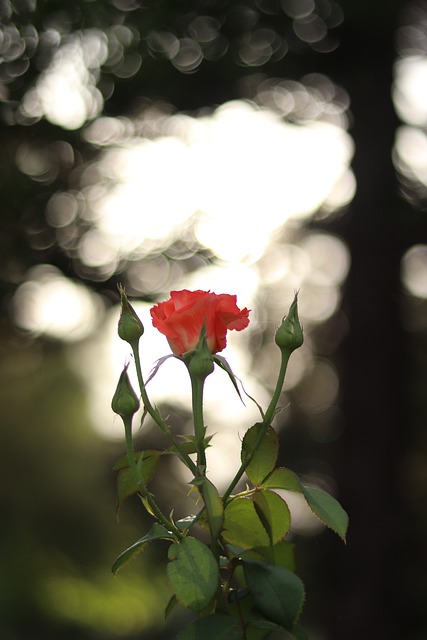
<point>158,364</point>
<point>222,362</point>
<point>156,532</point>
<point>200,361</point>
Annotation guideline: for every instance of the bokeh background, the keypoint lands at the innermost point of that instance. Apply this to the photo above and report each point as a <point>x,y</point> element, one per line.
<point>255,147</point>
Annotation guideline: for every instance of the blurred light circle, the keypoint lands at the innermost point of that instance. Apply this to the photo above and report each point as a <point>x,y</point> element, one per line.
<point>410,90</point>
<point>329,258</point>
<point>188,57</point>
<point>61,209</point>
<point>318,389</point>
<point>51,304</point>
<point>163,43</point>
<point>414,270</point>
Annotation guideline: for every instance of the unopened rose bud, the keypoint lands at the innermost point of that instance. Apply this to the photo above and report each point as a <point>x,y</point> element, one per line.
<point>125,401</point>
<point>130,327</point>
<point>200,363</point>
<point>290,335</point>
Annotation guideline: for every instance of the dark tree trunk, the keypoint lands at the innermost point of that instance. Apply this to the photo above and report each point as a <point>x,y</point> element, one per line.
<point>367,598</point>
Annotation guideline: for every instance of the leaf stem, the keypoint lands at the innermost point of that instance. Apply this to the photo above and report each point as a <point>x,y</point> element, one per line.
<point>268,417</point>
<point>168,524</point>
<point>155,415</point>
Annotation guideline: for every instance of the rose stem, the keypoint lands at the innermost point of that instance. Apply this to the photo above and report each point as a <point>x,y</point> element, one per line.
<point>127,421</point>
<point>268,417</point>
<point>154,413</point>
<point>197,385</point>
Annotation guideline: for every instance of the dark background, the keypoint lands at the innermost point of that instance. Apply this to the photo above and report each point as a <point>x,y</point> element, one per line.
<point>57,492</point>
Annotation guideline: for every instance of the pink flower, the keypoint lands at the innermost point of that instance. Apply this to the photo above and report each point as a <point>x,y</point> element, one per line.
<point>181,319</point>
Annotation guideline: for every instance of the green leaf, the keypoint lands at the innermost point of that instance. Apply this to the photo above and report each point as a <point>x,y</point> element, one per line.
<point>255,619</point>
<point>257,634</point>
<point>214,507</point>
<point>265,457</point>
<point>244,527</point>
<point>146,465</point>
<point>259,622</point>
<point>281,554</point>
<point>173,601</point>
<point>273,513</point>
<point>156,532</point>
<point>216,626</point>
<point>282,478</point>
<point>325,506</point>
<point>278,593</point>
<point>328,509</point>
<point>193,573</point>
<point>298,633</point>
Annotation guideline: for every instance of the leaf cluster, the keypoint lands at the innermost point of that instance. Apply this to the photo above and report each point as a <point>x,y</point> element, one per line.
<point>244,585</point>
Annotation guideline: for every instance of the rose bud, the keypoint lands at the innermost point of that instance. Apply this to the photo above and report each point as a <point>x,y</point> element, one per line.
<point>125,401</point>
<point>290,335</point>
<point>201,363</point>
<point>130,327</point>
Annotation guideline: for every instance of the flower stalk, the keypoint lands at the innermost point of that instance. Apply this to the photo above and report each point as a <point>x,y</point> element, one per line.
<point>156,416</point>
<point>200,365</point>
<point>289,336</point>
<point>130,329</point>
<point>125,403</point>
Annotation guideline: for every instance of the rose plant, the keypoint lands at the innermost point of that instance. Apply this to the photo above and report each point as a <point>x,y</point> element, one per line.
<point>241,584</point>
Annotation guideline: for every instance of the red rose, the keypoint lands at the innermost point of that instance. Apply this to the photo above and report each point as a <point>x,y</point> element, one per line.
<point>181,319</point>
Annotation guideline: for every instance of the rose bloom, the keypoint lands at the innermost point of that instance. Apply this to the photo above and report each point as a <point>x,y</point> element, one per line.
<point>181,319</point>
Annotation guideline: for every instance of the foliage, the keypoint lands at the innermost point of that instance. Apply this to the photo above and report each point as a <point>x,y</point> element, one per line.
<point>242,582</point>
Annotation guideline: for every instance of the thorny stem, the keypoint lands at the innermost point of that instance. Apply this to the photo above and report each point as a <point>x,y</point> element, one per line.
<point>268,417</point>
<point>170,526</point>
<point>197,385</point>
<point>154,413</point>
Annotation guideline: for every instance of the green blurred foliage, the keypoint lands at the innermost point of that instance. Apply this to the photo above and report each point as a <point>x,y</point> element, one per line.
<point>59,533</point>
